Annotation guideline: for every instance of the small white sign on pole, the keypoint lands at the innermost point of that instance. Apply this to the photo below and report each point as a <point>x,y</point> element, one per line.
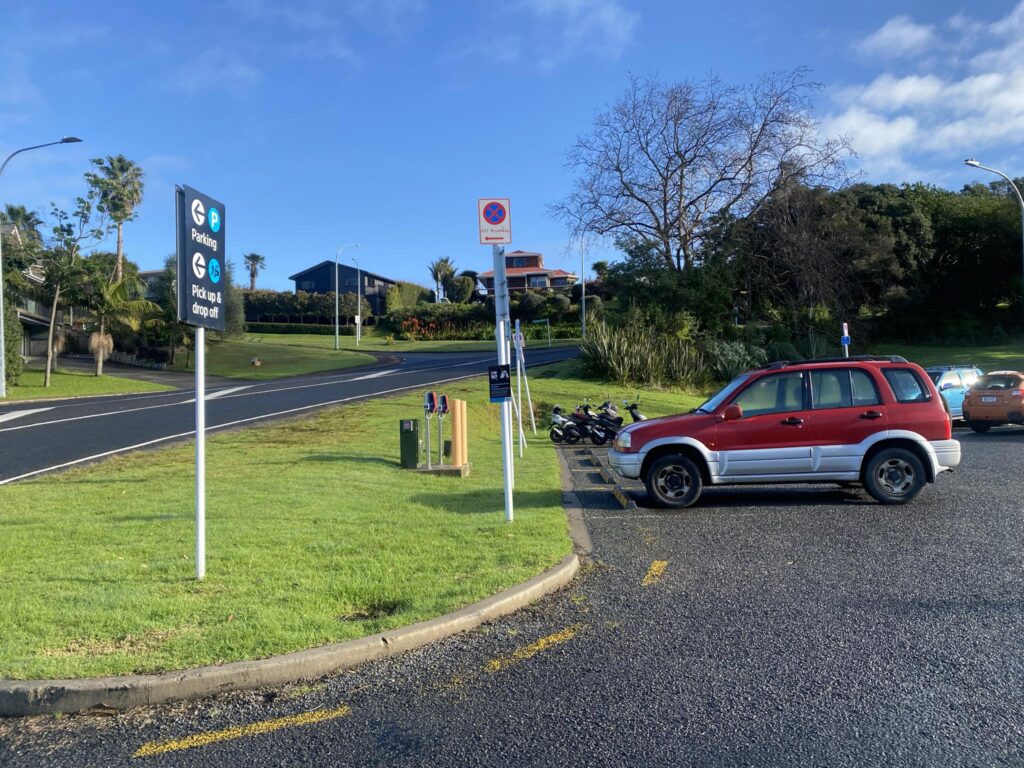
<point>495,219</point>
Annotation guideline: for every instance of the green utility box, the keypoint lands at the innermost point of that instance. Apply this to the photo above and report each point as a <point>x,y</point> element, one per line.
<point>409,443</point>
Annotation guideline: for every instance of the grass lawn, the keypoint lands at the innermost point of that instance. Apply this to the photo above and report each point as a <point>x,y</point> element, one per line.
<point>1009,356</point>
<point>314,535</point>
<point>232,359</point>
<point>376,343</point>
<point>69,384</point>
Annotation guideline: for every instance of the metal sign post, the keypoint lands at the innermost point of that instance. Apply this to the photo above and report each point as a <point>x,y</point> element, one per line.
<point>845,340</point>
<point>201,303</point>
<point>496,228</point>
<point>521,368</point>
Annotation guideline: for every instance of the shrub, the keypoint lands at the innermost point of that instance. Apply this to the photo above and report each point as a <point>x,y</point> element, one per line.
<point>631,354</point>
<point>13,334</point>
<point>728,359</point>
<point>781,350</point>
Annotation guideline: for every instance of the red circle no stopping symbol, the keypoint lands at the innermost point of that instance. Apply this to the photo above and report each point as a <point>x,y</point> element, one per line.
<point>494,213</point>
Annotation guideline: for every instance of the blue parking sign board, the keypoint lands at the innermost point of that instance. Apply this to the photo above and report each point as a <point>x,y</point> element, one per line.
<point>845,341</point>
<point>499,377</point>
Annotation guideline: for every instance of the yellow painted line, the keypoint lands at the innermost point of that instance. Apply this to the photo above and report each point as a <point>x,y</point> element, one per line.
<point>538,646</point>
<point>654,573</point>
<point>239,731</point>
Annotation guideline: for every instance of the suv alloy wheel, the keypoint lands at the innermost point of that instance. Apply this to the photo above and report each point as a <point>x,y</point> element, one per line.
<point>894,476</point>
<point>674,481</point>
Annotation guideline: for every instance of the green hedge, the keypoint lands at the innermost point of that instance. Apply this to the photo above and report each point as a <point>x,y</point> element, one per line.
<point>317,330</point>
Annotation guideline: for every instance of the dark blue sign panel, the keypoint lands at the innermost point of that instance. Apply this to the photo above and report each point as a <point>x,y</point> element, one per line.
<point>202,289</point>
<point>500,379</point>
<point>845,341</point>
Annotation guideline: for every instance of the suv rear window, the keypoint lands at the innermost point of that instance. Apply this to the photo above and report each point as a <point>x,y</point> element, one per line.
<point>997,382</point>
<point>906,385</point>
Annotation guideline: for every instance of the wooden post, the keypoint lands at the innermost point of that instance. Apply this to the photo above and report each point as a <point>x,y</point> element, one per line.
<point>456,411</point>
<point>465,432</point>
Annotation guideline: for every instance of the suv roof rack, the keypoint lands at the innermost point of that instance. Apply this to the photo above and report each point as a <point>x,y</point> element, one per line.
<point>851,359</point>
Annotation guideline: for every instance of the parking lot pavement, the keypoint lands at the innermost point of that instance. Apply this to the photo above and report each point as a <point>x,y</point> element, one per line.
<point>781,626</point>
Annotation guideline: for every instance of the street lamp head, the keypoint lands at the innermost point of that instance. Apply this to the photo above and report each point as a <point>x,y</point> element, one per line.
<point>70,140</point>
<point>971,162</point>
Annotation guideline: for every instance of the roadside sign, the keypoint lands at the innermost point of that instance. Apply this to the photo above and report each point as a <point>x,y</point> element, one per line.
<point>845,340</point>
<point>201,255</point>
<point>500,379</point>
<point>495,220</point>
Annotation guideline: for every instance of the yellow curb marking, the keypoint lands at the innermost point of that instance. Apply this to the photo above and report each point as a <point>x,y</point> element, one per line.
<point>236,732</point>
<point>654,573</point>
<point>524,653</point>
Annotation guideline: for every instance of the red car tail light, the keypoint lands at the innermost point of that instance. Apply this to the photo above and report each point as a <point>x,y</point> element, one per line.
<point>1017,393</point>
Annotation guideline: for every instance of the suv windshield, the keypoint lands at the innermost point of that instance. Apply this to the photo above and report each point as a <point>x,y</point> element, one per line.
<point>717,399</point>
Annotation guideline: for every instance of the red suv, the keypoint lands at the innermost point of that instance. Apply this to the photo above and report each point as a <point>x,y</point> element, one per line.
<point>878,421</point>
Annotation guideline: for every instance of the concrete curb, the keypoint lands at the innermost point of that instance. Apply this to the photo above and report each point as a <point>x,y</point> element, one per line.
<point>35,697</point>
<point>578,531</point>
<point>617,490</point>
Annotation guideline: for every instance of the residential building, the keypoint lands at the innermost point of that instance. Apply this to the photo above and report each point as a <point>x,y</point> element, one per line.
<point>33,315</point>
<point>525,270</point>
<point>323,279</point>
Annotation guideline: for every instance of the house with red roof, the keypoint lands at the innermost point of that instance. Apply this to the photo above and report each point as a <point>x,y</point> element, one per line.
<point>525,270</point>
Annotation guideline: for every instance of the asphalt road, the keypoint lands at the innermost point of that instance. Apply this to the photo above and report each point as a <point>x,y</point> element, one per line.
<point>783,626</point>
<point>41,437</point>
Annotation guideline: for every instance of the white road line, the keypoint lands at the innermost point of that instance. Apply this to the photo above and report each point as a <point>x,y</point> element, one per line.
<point>236,394</point>
<point>18,414</point>
<point>223,392</point>
<point>376,375</point>
<point>230,424</point>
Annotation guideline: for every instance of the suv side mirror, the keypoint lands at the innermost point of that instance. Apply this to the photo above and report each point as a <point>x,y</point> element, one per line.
<point>732,412</point>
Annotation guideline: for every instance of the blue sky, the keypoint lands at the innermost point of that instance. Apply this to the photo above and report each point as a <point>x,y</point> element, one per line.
<point>382,121</point>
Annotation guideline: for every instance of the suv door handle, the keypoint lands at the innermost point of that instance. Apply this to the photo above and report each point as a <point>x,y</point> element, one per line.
<point>871,415</point>
<point>793,421</point>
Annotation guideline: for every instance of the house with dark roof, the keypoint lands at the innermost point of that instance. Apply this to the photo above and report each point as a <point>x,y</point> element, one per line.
<point>33,315</point>
<point>326,277</point>
<point>525,270</point>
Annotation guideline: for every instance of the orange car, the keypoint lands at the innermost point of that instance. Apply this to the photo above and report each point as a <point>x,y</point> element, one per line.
<point>995,398</point>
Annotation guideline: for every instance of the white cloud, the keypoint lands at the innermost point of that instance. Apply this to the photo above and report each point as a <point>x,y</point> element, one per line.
<point>899,36</point>
<point>964,103</point>
<point>602,26</point>
<point>223,67</point>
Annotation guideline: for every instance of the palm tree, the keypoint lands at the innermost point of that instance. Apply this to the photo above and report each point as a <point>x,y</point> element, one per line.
<point>441,271</point>
<point>27,222</point>
<point>255,264</point>
<point>119,185</point>
<point>113,303</point>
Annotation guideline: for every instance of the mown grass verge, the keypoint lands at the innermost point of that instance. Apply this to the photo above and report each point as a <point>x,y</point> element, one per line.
<point>314,536</point>
<point>74,384</point>
<point>996,357</point>
<point>376,343</point>
<point>232,359</point>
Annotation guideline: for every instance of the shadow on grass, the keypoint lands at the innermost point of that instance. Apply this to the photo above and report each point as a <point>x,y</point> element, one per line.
<point>487,502</point>
<point>342,458</point>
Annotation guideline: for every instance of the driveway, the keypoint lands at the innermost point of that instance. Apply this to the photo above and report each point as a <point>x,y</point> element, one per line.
<point>769,626</point>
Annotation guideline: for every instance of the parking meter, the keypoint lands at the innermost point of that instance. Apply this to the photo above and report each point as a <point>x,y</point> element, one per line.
<point>442,410</point>
<point>429,409</point>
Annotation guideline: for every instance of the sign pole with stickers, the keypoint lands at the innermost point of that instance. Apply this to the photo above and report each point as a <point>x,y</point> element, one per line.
<point>201,304</point>
<point>495,222</point>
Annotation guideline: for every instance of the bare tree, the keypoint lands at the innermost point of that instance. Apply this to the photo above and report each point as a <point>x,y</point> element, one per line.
<point>665,161</point>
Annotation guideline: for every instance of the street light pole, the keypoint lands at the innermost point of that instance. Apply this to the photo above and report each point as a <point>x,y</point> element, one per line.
<point>975,164</point>
<point>359,301</point>
<point>3,341</point>
<point>337,292</point>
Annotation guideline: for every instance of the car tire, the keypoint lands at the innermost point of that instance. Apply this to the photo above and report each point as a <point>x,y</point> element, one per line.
<point>674,481</point>
<point>979,426</point>
<point>894,476</point>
